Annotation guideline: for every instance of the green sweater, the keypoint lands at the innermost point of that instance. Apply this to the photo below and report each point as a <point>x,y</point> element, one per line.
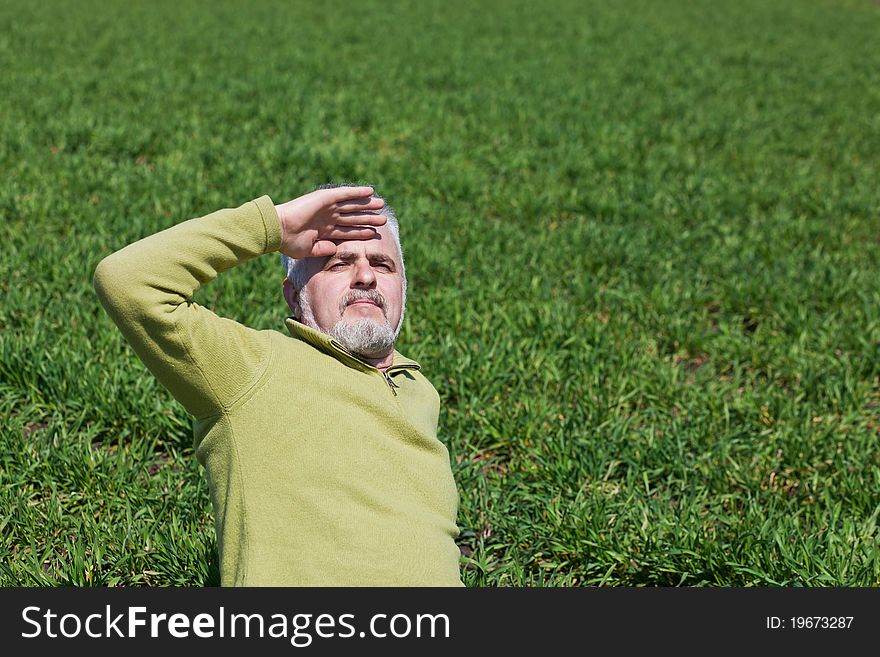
<point>321,471</point>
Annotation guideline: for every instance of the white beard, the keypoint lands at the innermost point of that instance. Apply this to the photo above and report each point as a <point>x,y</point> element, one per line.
<point>364,337</point>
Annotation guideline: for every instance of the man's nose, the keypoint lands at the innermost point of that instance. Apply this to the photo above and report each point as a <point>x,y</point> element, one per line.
<point>364,276</point>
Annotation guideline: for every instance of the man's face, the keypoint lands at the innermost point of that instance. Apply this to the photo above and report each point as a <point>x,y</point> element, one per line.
<point>362,281</point>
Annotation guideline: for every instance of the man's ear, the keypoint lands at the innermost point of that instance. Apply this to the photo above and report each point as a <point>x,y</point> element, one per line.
<point>291,297</point>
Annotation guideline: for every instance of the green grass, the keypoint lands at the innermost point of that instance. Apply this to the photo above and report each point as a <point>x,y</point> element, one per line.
<point>642,241</point>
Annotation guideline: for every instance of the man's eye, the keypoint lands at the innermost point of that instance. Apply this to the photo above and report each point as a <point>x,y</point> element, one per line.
<point>337,265</point>
<point>384,266</point>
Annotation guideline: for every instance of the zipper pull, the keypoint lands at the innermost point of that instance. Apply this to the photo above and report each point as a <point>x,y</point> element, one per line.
<point>391,383</point>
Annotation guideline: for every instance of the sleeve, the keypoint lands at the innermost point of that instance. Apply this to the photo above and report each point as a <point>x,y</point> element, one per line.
<point>147,287</point>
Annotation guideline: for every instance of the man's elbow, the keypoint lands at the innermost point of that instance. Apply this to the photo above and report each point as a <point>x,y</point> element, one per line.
<point>115,288</point>
<point>104,280</point>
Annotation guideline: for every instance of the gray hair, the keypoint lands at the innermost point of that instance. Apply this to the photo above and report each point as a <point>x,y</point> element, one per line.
<point>295,269</point>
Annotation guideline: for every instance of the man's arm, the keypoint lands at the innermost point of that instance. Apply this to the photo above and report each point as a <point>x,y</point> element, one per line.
<point>147,288</point>
<point>208,362</point>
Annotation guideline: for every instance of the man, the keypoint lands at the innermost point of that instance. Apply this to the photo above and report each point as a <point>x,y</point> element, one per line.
<point>320,446</point>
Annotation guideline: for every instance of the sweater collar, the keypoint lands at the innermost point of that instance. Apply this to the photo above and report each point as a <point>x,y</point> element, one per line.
<point>327,344</point>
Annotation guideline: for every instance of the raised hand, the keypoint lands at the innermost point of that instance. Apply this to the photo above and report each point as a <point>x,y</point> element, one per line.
<point>311,222</point>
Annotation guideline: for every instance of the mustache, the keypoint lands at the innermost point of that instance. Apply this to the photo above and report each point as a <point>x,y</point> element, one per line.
<point>358,295</point>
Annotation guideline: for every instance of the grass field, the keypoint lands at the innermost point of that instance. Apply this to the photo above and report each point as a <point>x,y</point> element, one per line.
<point>642,244</point>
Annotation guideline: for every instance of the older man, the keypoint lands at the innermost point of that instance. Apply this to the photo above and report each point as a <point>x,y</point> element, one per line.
<point>320,446</point>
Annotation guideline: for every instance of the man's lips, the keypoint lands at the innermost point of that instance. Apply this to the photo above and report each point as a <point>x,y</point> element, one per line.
<point>365,302</point>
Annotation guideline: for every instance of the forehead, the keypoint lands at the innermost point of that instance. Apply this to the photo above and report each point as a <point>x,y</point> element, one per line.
<point>383,243</point>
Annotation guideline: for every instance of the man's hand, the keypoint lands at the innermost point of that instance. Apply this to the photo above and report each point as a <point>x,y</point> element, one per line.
<point>310,223</point>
